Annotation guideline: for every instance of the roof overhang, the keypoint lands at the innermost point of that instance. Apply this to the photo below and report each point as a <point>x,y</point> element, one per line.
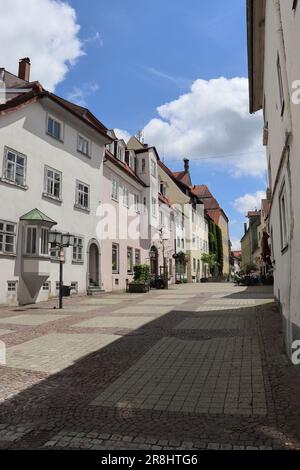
<point>256,52</point>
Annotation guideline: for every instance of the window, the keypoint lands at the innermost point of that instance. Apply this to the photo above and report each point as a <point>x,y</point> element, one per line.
<point>12,287</point>
<point>74,287</point>
<point>83,146</point>
<point>137,257</point>
<point>14,167</point>
<point>161,219</point>
<point>136,203</point>
<point>194,264</point>
<point>54,128</point>
<point>31,241</point>
<point>120,153</point>
<point>57,286</point>
<point>53,180</point>
<point>82,195</point>
<point>115,258</point>
<point>182,243</point>
<point>46,286</point>
<point>115,190</point>
<point>143,165</point>
<point>295,4</point>
<point>78,250</point>
<point>280,83</point>
<point>125,197</point>
<point>153,168</point>
<point>163,188</point>
<point>178,242</point>
<point>132,161</point>
<point>154,210</point>
<point>44,241</point>
<point>129,260</point>
<point>7,237</point>
<point>194,241</point>
<point>283,218</point>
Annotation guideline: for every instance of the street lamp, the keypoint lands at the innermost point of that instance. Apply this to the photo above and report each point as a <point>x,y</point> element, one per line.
<point>61,240</point>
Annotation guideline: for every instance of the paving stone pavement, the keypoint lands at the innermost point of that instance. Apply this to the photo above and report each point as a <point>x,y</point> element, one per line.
<point>194,367</point>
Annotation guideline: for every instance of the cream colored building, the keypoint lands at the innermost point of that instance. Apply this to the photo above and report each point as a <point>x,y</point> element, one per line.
<point>274,73</point>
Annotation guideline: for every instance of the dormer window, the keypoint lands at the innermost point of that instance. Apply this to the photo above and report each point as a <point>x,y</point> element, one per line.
<point>132,161</point>
<point>163,188</point>
<point>120,153</point>
<point>153,168</point>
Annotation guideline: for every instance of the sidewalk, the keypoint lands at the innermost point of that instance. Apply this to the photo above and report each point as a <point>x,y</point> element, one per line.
<point>196,366</point>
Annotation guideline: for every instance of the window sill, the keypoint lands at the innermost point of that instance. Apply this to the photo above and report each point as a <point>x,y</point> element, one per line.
<point>86,155</point>
<point>13,183</point>
<point>36,256</point>
<point>115,200</point>
<point>8,255</point>
<point>55,138</point>
<point>81,263</point>
<point>285,249</point>
<point>52,198</point>
<point>116,273</point>
<point>81,208</point>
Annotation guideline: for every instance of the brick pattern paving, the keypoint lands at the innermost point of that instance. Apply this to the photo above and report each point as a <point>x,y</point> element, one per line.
<point>194,367</point>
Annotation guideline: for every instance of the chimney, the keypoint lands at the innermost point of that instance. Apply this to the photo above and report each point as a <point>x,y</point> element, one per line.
<point>24,69</point>
<point>186,165</point>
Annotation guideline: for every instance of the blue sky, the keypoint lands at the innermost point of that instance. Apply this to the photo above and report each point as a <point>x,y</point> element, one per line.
<point>154,65</point>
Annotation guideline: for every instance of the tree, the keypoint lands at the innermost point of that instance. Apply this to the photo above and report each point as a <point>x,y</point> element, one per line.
<point>210,260</point>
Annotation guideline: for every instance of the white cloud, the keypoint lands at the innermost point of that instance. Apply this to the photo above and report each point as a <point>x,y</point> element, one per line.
<point>211,120</point>
<point>121,134</point>
<point>249,202</point>
<point>44,30</point>
<point>79,95</point>
<point>236,244</point>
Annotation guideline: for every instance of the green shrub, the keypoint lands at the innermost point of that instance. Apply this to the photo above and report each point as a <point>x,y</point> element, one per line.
<point>141,273</point>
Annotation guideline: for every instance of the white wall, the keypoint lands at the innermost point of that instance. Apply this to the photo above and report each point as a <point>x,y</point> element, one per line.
<point>25,131</point>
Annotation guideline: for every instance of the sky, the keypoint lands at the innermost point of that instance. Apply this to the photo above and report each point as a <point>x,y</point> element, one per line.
<point>175,69</point>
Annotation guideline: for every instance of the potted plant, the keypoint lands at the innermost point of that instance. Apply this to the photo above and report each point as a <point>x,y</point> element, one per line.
<point>141,278</point>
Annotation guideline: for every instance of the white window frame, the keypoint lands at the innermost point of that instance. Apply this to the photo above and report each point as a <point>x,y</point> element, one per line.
<point>154,207</point>
<point>36,252</point>
<point>15,165</point>
<point>153,168</point>
<point>47,178</point>
<point>117,246</point>
<point>46,287</point>
<point>4,234</point>
<point>61,128</point>
<point>87,142</point>
<point>284,222</point>
<point>129,260</point>
<point>115,190</point>
<point>12,287</point>
<point>81,193</point>
<point>137,256</point>
<point>125,196</point>
<point>42,241</point>
<point>137,203</point>
<point>120,152</point>
<point>78,250</point>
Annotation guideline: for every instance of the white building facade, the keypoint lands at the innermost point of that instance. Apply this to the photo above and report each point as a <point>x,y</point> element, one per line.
<point>51,160</point>
<point>274,72</point>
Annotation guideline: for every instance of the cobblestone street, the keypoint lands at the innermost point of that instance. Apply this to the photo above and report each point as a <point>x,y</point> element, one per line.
<point>199,366</point>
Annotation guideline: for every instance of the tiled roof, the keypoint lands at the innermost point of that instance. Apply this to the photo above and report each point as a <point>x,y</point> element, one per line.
<point>37,92</point>
<point>183,177</point>
<point>254,213</point>
<point>202,191</point>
